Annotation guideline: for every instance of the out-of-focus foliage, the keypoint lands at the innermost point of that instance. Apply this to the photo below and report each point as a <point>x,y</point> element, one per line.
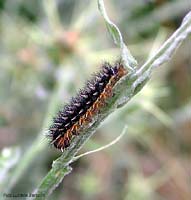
<point>42,41</point>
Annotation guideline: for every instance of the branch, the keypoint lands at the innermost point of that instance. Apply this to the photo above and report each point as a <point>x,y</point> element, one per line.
<point>166,51</point>
<point>124,90</point>
<point>103,147</point>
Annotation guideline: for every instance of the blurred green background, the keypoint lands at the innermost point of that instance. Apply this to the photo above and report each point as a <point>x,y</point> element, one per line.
<point>48,48</point>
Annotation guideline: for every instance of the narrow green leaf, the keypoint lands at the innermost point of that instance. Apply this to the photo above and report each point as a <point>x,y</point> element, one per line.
<point>129,61</point>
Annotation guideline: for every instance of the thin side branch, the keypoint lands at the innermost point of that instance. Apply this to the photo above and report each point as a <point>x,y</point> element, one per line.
<point>103,147</point>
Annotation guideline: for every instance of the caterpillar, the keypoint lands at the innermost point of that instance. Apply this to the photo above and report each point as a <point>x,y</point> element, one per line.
<point>85,105</point>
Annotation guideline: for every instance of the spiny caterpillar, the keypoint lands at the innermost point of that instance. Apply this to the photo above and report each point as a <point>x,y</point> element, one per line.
<point>85,105</point>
